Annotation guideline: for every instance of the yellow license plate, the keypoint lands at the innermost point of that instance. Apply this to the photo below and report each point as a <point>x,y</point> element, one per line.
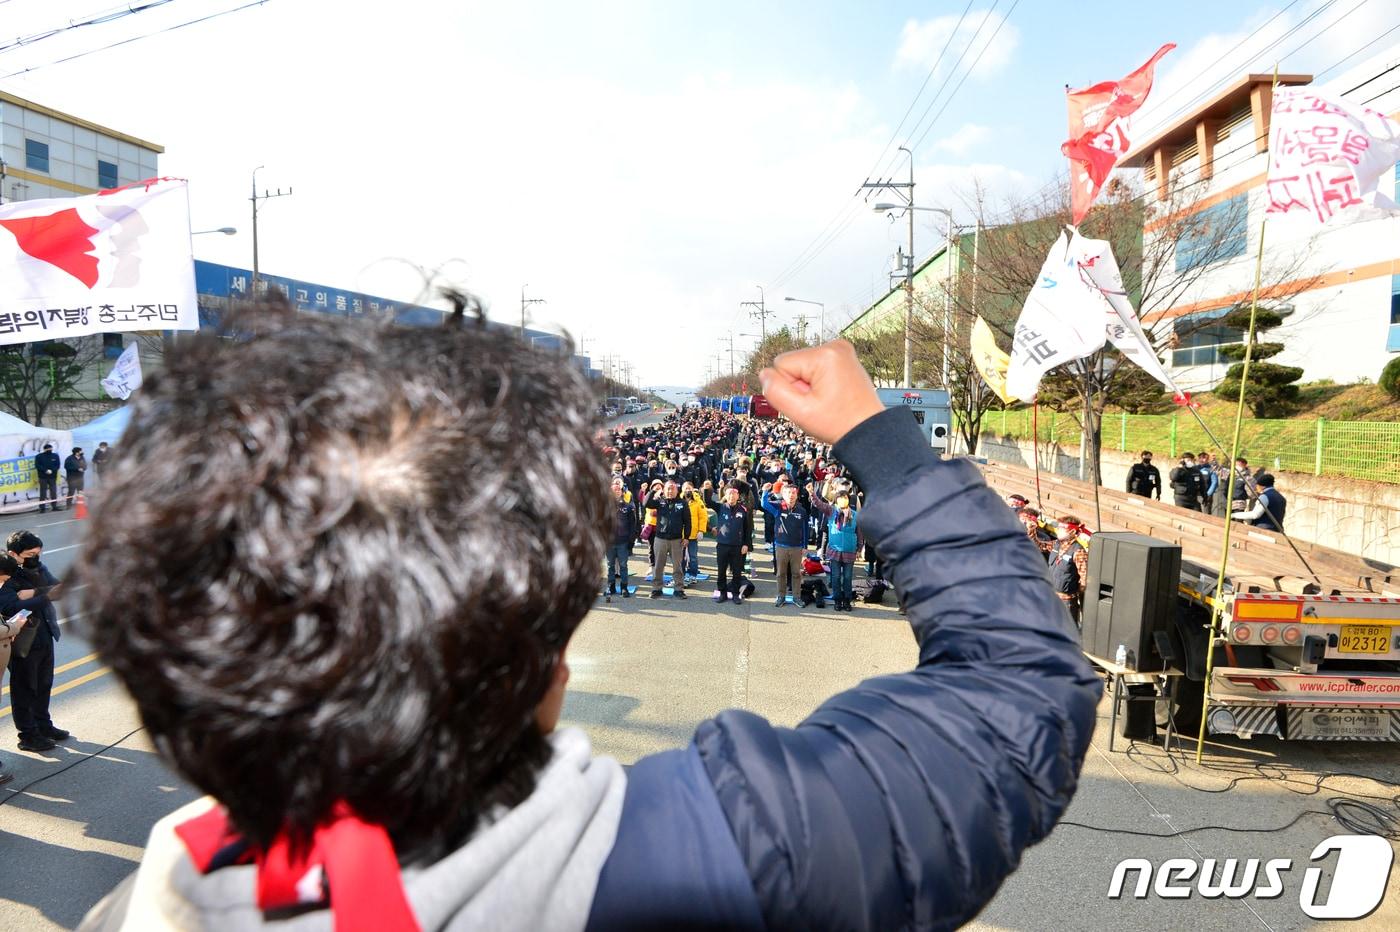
<point>1364,639</point>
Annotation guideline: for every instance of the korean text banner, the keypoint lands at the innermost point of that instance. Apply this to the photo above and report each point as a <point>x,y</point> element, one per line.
<point>115,261</point>
<point>18,475</point>
<point>1326,155</point>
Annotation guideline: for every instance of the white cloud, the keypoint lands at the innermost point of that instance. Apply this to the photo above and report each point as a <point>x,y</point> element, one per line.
<point>962,140</point>
<point>921,43</point>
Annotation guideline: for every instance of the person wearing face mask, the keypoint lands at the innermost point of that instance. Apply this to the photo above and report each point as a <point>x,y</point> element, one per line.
<point>733,529</point>
<point>1186,483</point>
<point>672,531</point>
<point>843,544</point>
<point>32,587</point>
<point>625,528</point>
<point>1144,479</point>
<point>1069,564</point>
<point>789,539</point>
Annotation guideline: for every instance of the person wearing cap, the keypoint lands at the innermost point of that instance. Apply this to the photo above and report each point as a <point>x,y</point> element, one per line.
<point>75,468</point>
<point>46,466</point>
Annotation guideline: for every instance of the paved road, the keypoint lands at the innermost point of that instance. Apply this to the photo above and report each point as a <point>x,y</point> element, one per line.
<point>644,674</point>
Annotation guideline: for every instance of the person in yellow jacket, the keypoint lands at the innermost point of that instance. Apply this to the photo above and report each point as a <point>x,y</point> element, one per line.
<point>699,521</point>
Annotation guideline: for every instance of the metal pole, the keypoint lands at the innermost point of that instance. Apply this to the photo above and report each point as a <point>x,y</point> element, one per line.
<point>947,298</point>
<point>909,285</point>
<point>255,229</point>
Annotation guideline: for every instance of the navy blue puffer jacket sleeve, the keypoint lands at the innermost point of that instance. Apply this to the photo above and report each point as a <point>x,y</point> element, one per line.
<point>906,801</point>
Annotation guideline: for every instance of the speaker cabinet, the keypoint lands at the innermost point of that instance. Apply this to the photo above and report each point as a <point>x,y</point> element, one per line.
<point>1130,596</point>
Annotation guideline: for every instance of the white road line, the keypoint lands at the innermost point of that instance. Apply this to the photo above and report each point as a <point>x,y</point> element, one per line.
<point>49,550</point>
<point>67,618</point>
<point>57,523</point>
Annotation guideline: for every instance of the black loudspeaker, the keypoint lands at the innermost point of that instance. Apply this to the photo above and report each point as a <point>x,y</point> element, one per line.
<point>1130,596</point>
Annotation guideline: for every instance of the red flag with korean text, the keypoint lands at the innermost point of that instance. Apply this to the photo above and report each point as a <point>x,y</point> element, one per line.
<point>1099,128</point>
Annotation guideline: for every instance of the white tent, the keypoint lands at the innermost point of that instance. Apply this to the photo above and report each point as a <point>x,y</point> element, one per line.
<point>106,428</point>
<point>19,442</point>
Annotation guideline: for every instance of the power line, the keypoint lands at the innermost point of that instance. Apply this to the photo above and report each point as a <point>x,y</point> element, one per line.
<point>1261,53</point>
<point>969,71</point>
<point>846,214</point>
<point>957,27</point>
<point>94,19</point>
<point>146,35</point>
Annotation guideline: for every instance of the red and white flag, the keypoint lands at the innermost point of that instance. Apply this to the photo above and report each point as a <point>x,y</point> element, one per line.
<point>1326,155</point>
<point>118,260</point>
<point>1099,131</point>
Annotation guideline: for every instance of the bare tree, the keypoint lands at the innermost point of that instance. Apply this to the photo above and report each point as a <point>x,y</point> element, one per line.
<point>1185,239</point>
<point>34,375</point>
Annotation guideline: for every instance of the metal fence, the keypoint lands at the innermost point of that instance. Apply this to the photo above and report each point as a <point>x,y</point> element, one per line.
<point>1354,449</point>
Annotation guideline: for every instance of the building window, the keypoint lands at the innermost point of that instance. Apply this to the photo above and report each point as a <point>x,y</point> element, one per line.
<point>1198,338</point>
<point>36,155</point>
<point>112,345</point>
<point>106,174</point>
<point>1214,234</point>
<point>1392,342</point>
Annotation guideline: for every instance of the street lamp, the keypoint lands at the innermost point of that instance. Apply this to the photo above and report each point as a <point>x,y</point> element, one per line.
<point>227,231</point>
<point>909,279</point>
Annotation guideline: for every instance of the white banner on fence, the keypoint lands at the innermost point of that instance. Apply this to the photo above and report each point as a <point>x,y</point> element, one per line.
<point>115,261</point>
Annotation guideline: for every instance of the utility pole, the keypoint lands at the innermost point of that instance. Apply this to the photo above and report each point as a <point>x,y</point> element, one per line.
<point>905,190</point>
<point>760,311</point>
<point>802,328</point>
<point>265,196</point>
<point>524,304</point>
<point>731,354</point>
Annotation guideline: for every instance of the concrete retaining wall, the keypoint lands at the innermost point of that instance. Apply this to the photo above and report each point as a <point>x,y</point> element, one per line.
<point>1358,517</point>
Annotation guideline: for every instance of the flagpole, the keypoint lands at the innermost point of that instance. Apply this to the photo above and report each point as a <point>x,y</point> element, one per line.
<point>1035,451</point>
<point>1217,599</point>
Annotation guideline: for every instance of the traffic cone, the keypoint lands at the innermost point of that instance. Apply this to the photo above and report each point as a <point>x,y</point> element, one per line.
<point>80,509</point>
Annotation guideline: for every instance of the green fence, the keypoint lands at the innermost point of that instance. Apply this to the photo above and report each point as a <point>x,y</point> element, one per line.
<point>1354,449</point>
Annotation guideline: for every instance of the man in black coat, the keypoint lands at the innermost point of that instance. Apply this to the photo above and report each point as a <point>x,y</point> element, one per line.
<point>75,468</point>
<point>46,465</point>
<point>1144,479</point>
<point>1186,484</point>
<point>672,532</point>
<point>31,586</point>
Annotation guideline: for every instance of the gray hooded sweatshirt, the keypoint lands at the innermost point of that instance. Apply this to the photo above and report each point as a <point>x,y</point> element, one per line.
<point>532,867</point>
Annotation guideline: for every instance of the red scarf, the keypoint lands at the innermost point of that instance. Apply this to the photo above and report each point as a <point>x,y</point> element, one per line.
<point>350,863</point>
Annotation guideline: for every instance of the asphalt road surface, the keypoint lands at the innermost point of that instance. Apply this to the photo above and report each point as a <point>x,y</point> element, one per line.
<point>645,673</point>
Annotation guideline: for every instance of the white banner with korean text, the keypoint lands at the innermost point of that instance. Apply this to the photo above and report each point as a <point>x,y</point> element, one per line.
<point>115,261</point>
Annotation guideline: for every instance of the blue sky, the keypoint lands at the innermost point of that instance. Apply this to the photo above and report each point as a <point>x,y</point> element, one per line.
<point>642,166</point>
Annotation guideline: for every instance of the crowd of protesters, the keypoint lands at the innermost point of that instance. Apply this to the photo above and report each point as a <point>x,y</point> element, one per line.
<point>704,472</point>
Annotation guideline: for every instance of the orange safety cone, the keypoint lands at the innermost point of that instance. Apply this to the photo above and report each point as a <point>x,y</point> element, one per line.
<point>80,509</point>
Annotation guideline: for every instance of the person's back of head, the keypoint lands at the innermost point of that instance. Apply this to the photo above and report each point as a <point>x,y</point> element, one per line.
<point>304,602</point>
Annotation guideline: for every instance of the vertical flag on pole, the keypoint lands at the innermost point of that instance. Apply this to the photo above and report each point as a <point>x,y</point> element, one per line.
<point>1077,305</point>
<point>1099,128</point>
<point>990,360</point>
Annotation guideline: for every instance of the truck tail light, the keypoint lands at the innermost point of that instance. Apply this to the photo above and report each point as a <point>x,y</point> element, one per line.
<point>1241,634</point>
<point>1292,635</point>
<point>1269,634</point>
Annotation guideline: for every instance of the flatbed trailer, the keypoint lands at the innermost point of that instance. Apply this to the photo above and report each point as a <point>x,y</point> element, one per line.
<point>1302,656</point>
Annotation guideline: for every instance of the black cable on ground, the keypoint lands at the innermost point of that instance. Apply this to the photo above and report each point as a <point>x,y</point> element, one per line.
<point>67,767</point>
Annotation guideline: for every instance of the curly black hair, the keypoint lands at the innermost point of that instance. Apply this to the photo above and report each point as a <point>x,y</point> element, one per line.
<point>339,561</point>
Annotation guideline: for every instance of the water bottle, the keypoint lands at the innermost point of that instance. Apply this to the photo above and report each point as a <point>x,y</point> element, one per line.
<point>1121,658</point>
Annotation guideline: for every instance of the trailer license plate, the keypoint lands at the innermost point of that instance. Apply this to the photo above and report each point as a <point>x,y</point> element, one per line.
<point>1344,724</point>
<point>1364,639</point>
